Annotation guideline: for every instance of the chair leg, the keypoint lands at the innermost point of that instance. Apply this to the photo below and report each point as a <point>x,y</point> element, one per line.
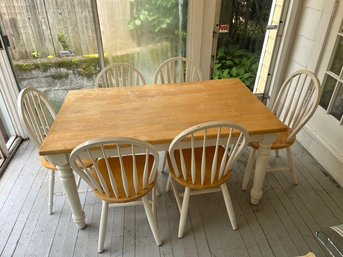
<point>164,160</point>
<point>103,225</point>
<point>229,207</point>
<point>248,169</point>
<point>184,212</point>
<point>51,191</point>
<point>153,198</point>
<point>291,165</point>
<point>176,195</point>
<point>168,183</point>
<point>78,181</point>
<point>152,220</point>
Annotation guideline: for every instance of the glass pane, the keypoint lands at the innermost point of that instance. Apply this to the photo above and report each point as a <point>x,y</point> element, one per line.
<point>337,108</point>
<point>337,61</point>
<point>239,49</point>
<point>329,86</point>
<point>53,45</point>
<point>6,127</point>
<point>143,33</point>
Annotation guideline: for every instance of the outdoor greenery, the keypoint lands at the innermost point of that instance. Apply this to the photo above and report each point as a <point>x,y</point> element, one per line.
<point>234,62</point>
<point>158,21</point>
<point>62,38</point>
<point>240,48</point>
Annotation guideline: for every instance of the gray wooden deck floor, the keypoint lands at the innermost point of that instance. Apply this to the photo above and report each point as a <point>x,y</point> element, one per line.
<point>282,225</point>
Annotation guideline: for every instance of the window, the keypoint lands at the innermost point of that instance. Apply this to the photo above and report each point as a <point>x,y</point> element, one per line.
<point>332,96</point>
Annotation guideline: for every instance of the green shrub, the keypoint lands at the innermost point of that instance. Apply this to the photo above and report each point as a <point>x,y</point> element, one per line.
<point>233,62</point>
<point>62,38</point>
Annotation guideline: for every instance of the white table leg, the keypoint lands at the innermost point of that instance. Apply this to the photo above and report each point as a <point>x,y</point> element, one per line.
<point>70,189</point>
<point>262,157</point>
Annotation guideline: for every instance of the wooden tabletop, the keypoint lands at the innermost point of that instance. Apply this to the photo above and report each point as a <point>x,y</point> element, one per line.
<point>155,113</point>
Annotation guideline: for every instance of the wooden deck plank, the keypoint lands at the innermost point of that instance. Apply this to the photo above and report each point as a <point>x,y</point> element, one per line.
<point>22,218</point>
<point>282,225</point>
<point>16,199</point>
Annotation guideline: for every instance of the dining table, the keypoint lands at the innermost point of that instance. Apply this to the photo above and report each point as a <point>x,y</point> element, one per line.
<point>156,114</point>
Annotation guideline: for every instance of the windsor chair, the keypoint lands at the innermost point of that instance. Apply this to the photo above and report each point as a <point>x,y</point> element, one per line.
<point>124,171</point>
<point>295,104</point>
<point>203,165</point>
<point>119,75</point>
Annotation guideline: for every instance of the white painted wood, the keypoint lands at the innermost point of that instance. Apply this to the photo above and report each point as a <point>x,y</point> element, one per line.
<point>9,91</point>
<point>200,26</point>
<point>103,152</point>
<point>177,70</point>
<point>282,224</point>
<point>263,154</point>
<point>37,116</point>
<point>323,134</point>
<point>119,75</point>
<point>232,144</point>
<point>290,28</point>
<point>103,226</point>
<point>295,104</point>
<point>51,190</point>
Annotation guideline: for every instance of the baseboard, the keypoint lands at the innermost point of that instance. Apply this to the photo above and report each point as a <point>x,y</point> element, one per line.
<point>329,158</point>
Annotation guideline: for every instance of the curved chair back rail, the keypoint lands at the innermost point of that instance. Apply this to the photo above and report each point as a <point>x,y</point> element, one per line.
<point>37,116</point>
<point>216,155</point>
<point>123,169</point>
<point>35,113</point>
<point>294,105</point>
<point>297,100</point>
<point>119,75</point>
<point>177,70</point>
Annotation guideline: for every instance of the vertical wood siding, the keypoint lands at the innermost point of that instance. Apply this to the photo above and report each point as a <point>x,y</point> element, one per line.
<point>33,25</point>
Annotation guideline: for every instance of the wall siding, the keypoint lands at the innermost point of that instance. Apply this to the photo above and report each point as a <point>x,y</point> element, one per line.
<point>325,146</point>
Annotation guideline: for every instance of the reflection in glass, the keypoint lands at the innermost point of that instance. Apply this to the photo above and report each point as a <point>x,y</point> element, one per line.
<point>337,107</point>
<point>337,62</point>
<point>6,127</point>
<point>329,86</point>
<point>143,33</point>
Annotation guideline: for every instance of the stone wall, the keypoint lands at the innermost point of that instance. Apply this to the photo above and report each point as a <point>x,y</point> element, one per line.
<point>55,78</point>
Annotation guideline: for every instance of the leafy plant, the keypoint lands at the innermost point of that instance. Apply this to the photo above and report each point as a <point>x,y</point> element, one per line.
<point>233,62</point>
<point>62,38</point>
<point>159,20</point>
<point>35,54</point>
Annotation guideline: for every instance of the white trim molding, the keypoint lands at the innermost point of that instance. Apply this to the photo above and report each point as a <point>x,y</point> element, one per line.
<point>327,156</point>
<point>10,91</point>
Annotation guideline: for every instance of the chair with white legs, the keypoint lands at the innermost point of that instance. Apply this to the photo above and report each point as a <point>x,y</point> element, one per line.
<point>201,159</point>
<point>123,173</point>
<point>177,70</point>
<point>119,75</point>
<point>295,104</point>
<point>37,116</point>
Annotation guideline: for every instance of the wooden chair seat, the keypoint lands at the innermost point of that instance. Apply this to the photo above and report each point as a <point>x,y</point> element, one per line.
<point>123,175</point>
<point>115,166</point>
<point>294,105</point>
<point>48,165</point>
<point>281,141</point>
<point>187,153</point>
<point>198,163</point>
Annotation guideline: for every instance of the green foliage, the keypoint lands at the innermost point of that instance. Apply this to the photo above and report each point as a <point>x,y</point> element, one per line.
<point>155,15</point>
<point>159,20</point>
<point>35,54</point>
<point>82,66</point>
<point>233,62</point>
<point>62,38</point>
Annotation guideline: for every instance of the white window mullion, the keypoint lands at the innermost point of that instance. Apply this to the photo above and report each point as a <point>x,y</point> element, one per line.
<point>9,90</point>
